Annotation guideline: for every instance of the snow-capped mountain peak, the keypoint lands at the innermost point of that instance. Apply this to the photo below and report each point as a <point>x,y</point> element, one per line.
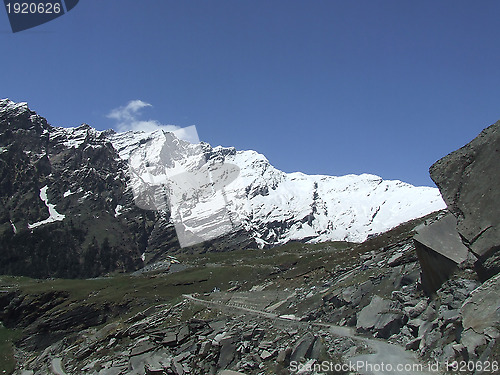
<point>203,192</point>
<point>272,206</point>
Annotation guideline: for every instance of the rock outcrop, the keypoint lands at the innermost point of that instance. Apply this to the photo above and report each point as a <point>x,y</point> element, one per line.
<point>468,180</point>
<point>459,251</point>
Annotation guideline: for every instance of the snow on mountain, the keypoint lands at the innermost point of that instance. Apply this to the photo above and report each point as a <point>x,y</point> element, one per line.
<point>273,206</point>
<point>53,214</point>
<point>210,192</point>
<point>278,207</point>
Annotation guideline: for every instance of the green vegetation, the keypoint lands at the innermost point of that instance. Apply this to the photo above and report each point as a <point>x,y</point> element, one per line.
<point>7,337</point>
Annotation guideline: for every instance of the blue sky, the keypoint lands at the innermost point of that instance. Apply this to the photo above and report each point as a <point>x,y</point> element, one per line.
<point>323,87</point>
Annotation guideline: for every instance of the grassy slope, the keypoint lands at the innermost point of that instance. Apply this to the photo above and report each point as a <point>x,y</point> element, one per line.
<point>7,337</point>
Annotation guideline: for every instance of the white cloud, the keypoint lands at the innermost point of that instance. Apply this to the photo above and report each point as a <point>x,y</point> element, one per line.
<point>127,119</point>
<point>127,114</point>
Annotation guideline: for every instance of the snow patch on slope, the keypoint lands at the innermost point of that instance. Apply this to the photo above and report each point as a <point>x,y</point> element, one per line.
<point>53,214</point>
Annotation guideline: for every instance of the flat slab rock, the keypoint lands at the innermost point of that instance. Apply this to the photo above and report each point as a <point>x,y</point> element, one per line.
<point>442,236</point>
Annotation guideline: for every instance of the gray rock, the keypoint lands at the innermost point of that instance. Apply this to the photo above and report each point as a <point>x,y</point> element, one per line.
<point>188,346</point>
<point>440,250</point>
<point>183,334</point>
<point>446,298</point>
<point>414,326</point>
<point>492,332</point>
<point>430,339</point>
<point>347,296</point>
<point>449,316</point>
<point>229,372</point>
<point>141,347</point>
<point>406,332</point>
<point>84,352</point>
<point>227,353</point>
<point>472,341</point>
<point>425,328</point>
<point>481,310</point>
<point>150,370</point>
<point>217,326</point>
<point>205,348</point>
<point>170,339</point>
<point>414,311</point>
<point>430,313</point>
<point>389,324</point>
<point>486,355</point>
<point>396,260</point>
<point>302,348</point>
<point>244,347</point>
<point>442,236</point>
<point>113,370</point>
<point>265,354</point>
<point>177,368</point>
<point>468,180</point>
<point>413,344</point>
<point>449,354</point>
<point>379,317</point>
<point>111,342</point>
<point>181,357</point>
<point>370,315</point>
<point>152,360</point>
<point>317,349</point>
<point>284,355</point>
<point>248,334</point>
<point>266,344</point>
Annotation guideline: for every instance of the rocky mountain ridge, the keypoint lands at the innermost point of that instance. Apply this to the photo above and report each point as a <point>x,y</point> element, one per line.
<point>72,188</point>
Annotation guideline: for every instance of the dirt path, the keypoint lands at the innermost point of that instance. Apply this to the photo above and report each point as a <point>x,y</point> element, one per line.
<point>386,359</point>
<point>56,367</point>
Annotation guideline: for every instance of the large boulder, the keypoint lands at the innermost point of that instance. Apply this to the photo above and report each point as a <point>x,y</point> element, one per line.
<point>380,317</point>
<point>468,180</point>
<point>440,251</point>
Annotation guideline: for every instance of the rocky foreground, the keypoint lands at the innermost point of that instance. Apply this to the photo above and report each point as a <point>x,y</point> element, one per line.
<point>368,308</point>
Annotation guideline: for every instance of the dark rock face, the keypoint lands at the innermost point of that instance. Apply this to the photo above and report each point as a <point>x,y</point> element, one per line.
<point>100,228</point>
<point>468,180</point>
<point>84,183</point>
<point>462,319</point>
